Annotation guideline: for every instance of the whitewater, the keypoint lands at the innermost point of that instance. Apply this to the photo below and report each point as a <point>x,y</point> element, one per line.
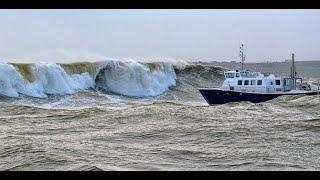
<point>147,114</point>
<point>126,78</point>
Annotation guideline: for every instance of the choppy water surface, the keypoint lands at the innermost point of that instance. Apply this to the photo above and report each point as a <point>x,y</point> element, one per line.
<point>94,125</point>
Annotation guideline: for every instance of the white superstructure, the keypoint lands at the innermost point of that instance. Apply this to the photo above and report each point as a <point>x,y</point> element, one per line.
<point>246,81</point>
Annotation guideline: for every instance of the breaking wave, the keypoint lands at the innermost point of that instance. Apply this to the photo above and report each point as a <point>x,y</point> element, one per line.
<point>128,77</point>
<point>40,80</point>
<point>135,79</point>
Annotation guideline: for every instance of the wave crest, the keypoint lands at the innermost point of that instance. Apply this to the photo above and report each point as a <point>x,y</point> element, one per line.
<point>127,77</point>
<point>136,79</point>
<point>39,80</point>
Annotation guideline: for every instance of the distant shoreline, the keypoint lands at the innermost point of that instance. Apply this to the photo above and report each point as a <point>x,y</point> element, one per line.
<point>304,68</point>
<point>268,62</point>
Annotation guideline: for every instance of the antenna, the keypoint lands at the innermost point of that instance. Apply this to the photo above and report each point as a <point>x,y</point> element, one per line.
<point>242,56</point>
<point>293,72</point>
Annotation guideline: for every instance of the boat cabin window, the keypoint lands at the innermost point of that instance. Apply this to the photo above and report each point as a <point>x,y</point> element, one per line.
<point>253,82</point>
<point>287,82</point>
<point>259,82</point>
<point>239,82</point>
<point>271,83</point>
<point>244,74</point>
<point>278,82</point>
<point>229,75</point>
<point>246,82</point>
<point>237,75</point>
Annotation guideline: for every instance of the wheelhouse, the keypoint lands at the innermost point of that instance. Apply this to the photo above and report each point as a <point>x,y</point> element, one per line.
<point>247,81</point>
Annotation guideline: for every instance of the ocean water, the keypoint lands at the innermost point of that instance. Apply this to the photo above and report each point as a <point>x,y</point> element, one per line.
<point>139,115</point>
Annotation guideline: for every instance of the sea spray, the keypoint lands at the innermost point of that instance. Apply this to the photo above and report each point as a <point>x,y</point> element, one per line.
<point>49,78</point>
<point>135,79</point>
<point>26,70</point>
<point>12,83</point>
<point>55,80</point>
<point>125,77</point>
<point>93,68</point>
<point>10,80</point>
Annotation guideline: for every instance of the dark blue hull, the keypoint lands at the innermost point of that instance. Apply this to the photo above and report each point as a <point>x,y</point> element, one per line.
<point>217,96</point>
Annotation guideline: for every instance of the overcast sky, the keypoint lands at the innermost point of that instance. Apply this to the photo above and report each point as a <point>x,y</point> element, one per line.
<point>182,34</point>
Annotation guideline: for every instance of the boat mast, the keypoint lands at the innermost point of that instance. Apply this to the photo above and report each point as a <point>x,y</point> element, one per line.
<point>242,56</point>
<point>293,72</point>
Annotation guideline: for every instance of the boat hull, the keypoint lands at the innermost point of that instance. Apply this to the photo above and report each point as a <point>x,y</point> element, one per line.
<point>218,96</point>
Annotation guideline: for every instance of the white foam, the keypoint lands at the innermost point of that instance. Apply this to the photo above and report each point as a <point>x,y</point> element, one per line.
<point>12,83</point>
<point>126,77</point>
<point>178,63</point>
<point>134,79</point>
<point>9,80</point>
<point>50,79</point>
<point>54,80</point>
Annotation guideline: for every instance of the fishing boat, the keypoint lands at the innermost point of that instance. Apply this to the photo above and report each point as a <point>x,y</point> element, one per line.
<point>243,85</point>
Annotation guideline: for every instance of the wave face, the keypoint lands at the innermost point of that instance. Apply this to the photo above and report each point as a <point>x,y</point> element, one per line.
<point>55,80</point>
<point>128,77</point>
<point>136,79</point>
<point>47,78</point>
<point>11,82</point>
